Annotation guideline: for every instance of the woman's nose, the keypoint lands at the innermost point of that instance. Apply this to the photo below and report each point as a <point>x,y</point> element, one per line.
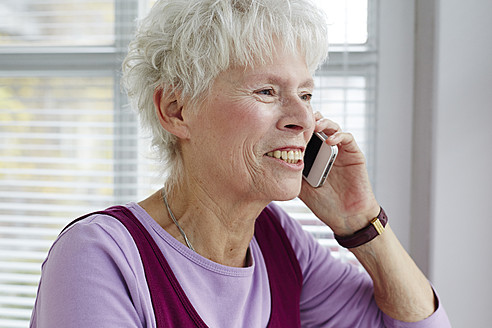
<point>297,115</point>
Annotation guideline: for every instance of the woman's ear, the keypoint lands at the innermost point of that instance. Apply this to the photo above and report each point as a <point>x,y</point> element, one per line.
<point>169,109</point>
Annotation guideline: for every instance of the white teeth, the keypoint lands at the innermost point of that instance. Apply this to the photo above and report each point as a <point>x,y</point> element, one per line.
<point>291,156</point>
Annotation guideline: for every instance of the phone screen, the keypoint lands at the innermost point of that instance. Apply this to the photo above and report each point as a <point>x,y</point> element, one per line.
<point>310,153</point>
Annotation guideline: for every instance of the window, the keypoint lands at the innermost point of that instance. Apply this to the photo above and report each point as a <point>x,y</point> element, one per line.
<point>70,145</point>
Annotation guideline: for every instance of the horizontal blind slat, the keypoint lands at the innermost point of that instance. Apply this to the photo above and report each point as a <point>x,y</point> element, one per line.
<point>33,196</point>
<point>15,255</point>
<point>15,313</point>
<point>18,278</point>
<point>20,266</point>
<point>20,241</point>
<point>16,301</point>
<point>22,231</point>
<point>6,323</point>
<point>34,219</point>
<point>7,289</point>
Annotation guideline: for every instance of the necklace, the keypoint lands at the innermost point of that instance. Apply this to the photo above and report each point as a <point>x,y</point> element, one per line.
<point>175,221</point>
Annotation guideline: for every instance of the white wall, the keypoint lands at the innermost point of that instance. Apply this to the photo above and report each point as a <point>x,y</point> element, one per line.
<point>394,113</point>
<point>434,145</point>
<point>461,237</point>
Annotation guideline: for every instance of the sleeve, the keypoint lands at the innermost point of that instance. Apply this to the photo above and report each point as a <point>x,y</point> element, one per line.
<point>336,294</point>
<point>91,278</point>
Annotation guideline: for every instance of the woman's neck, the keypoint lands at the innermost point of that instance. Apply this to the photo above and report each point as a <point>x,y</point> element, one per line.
<point>218,230</point>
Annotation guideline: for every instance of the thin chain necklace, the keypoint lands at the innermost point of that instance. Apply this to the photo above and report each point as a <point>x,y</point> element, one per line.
<point>175,221</point>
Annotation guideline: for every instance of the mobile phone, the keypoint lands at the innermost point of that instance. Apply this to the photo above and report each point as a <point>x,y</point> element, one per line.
<point>318,159</point>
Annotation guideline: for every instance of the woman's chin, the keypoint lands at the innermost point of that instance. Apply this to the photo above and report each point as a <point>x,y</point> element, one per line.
<point>276,189</point>
<point>288,192</point>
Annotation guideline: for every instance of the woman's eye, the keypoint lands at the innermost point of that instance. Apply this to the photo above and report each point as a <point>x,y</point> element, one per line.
<point>306,97</point>
<point>266,92</point>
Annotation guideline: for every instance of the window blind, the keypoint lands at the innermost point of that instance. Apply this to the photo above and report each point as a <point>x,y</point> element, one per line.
<point>62,155</point>
<point>69,144</point>
<point>57,22</point>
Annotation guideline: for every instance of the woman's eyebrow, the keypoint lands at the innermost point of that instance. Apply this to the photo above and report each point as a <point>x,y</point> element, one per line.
<point>273,79</point>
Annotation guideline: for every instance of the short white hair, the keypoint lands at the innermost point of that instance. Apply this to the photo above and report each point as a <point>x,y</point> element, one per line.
<point>184,44</point>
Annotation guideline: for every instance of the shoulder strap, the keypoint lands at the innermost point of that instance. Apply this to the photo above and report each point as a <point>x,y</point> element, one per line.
<point>284,272</point>
<point>172,307</point>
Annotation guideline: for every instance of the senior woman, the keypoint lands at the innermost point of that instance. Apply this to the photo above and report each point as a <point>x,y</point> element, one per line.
<point>223,86</point>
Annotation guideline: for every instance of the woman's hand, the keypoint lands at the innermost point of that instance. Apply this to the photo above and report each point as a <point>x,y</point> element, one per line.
<point>345,202</point>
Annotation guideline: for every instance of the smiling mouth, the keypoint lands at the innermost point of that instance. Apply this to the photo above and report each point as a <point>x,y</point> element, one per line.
<point>291,156</point>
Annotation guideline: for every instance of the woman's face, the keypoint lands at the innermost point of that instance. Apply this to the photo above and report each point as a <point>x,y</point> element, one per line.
<point>251,117</point>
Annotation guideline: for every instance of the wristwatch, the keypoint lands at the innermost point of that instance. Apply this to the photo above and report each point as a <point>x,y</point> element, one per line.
<point>364,235</point>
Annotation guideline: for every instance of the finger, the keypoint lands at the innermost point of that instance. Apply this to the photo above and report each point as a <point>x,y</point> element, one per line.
<point>318,116</point>
<point>328,126</point>
<point>345,140</point>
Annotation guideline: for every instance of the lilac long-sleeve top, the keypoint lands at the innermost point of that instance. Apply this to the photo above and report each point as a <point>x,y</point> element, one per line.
<point>93,277</point>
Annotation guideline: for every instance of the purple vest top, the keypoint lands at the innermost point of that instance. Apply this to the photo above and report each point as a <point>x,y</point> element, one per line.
<point>172,307</point>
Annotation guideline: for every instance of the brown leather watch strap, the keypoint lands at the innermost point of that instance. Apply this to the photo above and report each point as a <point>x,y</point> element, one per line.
<point>364,235</point>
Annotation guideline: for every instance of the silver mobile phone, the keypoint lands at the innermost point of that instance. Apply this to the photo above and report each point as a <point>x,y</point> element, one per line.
<point>318,159</point>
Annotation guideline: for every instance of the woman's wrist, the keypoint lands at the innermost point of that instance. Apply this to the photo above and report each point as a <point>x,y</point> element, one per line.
<point>350,225</point>
<point>365,234</point>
